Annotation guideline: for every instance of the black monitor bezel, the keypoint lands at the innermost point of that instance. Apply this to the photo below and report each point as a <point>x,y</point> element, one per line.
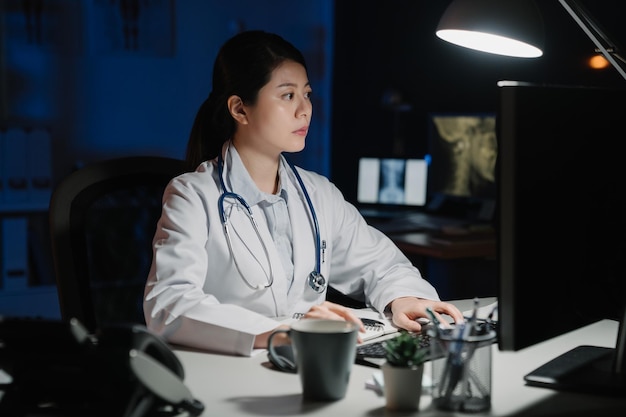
<point>534,121</point>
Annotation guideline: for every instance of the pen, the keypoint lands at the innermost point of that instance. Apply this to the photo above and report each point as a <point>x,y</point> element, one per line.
<point>432,316</point>
<point>471,328</point>
<point>366,322</point>
<point>435,320</point>
<point>491,314</point>
<point>455,365</point>
<point>371,322</point>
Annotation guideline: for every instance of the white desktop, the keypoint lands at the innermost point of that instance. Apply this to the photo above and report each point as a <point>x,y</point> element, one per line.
<point>241,386</point>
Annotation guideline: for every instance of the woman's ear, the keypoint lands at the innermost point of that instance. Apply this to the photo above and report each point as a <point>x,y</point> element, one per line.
<point>237,110</point>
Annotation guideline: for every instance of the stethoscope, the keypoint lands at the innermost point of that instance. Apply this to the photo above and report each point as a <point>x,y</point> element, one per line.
<point>316,280</point>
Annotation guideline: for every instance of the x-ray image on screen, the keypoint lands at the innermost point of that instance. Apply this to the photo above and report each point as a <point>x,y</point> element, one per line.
<point>463,149</point>
<point>392,181</point>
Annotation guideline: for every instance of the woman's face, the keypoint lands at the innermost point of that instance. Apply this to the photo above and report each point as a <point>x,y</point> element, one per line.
<point>279,120</point>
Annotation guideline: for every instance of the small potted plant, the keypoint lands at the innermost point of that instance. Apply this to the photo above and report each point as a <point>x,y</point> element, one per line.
<point>403,370</point>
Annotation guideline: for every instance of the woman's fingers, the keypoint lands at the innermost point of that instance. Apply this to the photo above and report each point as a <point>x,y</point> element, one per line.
<point>328,310</point>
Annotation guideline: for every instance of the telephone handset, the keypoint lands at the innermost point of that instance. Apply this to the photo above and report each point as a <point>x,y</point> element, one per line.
<point>137,337</point>
<point>122,370</point>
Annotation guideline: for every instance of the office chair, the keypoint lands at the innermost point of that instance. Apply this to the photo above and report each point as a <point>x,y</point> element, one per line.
<point>102,221</point>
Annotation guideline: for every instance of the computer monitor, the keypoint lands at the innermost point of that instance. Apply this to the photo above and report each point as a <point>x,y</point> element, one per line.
<point>561,227</point>
<point>389,185</point>
<point>462,150</point>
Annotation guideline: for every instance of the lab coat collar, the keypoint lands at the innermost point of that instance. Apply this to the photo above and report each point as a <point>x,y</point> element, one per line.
<point>239,181</point>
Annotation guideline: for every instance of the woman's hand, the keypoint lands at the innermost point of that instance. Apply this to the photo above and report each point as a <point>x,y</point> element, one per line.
<point>406,310</point>
<point>332,311</point>
<point>326,310</point>
<point>260,341</point>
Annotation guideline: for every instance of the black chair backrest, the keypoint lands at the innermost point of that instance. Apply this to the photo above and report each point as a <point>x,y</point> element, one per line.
<point>102,221</point>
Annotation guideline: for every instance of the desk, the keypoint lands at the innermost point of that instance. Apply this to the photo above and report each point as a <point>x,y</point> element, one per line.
<point>479,245</point>
<point>239,386</point>
<point>459,266</point>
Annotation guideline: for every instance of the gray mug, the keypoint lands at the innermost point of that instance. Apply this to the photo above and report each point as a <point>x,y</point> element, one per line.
<point>324,351</point>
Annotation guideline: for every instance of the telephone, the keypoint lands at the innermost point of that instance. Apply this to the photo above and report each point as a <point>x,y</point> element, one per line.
<point>59,368</point>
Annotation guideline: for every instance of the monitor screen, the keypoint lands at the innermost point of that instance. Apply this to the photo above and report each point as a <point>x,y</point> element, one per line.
<point>392,181</point>
<point>462,151</point>
<point>561,224</point>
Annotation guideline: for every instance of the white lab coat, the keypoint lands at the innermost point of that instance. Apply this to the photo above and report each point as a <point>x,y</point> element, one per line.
<point>194,294</point>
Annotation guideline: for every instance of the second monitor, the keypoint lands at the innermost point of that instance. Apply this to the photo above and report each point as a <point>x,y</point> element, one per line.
<point>392,181</point>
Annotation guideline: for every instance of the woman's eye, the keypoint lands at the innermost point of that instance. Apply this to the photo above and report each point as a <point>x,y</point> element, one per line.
<point>288,96</point>
<point>308,94</point>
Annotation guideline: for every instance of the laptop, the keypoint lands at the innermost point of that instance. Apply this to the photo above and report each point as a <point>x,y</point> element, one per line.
<point>389,187</point>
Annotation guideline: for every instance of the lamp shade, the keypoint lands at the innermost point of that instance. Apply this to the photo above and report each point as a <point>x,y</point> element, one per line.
<point>504,27</point>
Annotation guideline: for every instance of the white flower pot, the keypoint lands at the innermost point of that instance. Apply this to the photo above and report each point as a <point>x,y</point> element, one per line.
<point>403,387</point>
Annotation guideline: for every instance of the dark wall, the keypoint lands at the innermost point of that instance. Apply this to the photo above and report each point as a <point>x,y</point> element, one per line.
<point>391,45</point>
<point>67,67</point>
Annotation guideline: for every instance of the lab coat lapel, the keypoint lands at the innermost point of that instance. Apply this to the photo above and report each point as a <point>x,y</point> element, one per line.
<point>304,250</point>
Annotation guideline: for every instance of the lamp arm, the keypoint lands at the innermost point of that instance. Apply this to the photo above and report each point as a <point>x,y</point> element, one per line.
<point>618,56</point>
<point>595,33</point>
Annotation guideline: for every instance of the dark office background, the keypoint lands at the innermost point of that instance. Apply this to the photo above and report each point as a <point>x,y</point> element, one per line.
<point>105,84</point>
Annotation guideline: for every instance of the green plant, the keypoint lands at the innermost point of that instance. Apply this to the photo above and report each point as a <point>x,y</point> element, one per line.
<point>405,350</point>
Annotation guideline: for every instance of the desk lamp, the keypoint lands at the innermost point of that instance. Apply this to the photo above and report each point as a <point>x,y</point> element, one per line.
<point>515,28</point>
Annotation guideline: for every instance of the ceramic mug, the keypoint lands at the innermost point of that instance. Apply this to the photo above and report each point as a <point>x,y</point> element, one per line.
<point>323,353</point>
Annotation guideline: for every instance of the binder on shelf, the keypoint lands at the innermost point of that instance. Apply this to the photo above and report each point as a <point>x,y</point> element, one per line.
<point>39,166</point>
<point>14,246</point>
<point>2,152</point>
<point>15,181</point>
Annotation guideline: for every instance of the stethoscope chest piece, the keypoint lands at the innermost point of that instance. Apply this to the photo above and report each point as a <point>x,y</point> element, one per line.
<point>317,282</point>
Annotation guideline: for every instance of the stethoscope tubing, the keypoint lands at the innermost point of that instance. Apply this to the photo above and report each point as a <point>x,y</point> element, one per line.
<point>318,243</point>
<point>316,279</point>
<point>223,218</point>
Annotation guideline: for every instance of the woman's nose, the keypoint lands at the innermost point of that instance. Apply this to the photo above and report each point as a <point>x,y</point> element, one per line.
<point>305,109</point>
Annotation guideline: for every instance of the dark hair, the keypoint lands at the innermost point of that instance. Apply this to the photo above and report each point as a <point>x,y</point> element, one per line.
<point>243,66</point>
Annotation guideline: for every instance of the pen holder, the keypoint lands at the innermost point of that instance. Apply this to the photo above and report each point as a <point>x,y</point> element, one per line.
<point>461,370</point>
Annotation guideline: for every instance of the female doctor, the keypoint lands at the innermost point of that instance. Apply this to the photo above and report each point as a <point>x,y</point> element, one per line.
<point>246,240</point>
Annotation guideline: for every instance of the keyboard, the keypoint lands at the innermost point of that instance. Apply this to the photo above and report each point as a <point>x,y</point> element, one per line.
<point>377,349</point>
<point>373,354</point>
